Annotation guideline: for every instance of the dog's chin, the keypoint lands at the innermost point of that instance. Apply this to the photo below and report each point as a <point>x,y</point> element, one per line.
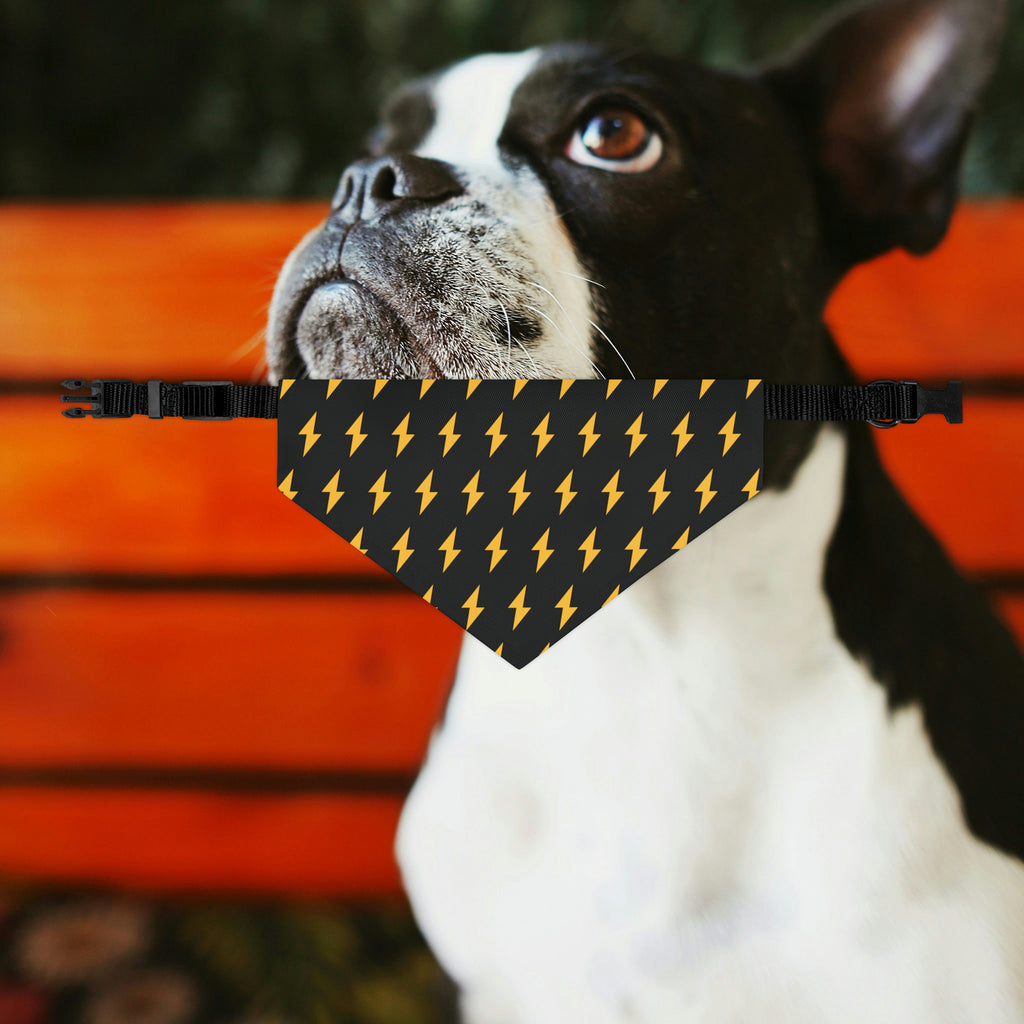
<point>344,330</point>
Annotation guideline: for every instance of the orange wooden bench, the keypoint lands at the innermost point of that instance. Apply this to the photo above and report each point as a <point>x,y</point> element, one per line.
<point>202,689</point>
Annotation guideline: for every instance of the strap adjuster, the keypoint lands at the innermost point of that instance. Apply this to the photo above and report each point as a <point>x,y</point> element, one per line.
<point>206,399</point>
<point>912,401</point>
<point>95,398</point>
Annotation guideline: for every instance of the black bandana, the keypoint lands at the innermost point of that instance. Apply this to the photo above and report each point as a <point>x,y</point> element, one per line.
<point>521,507</point>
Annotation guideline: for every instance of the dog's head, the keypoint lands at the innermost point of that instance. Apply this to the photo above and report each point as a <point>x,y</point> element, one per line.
<point>577,210</point>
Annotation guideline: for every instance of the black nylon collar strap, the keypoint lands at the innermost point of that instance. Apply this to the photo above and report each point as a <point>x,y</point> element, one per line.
<point>883,403</point>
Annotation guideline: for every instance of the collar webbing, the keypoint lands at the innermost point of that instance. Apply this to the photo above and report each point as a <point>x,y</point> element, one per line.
<point>883,403</point>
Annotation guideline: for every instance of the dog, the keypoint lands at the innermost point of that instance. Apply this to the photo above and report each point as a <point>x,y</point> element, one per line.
<point>779,778</point>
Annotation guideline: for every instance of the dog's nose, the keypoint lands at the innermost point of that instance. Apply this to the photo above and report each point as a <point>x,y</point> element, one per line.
<point>369,187</point>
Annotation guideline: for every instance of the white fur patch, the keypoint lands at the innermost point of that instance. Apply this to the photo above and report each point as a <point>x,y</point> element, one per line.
<point>471,103</point>
<point>696,807</point>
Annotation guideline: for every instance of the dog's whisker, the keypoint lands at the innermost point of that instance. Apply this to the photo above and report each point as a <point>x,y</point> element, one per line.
<point>259,370</point>
<point>569,319</point>
<point>566,340</point>
<point>508,327</point>
<point>614,347</point>
<point>247,346</point>
<point>580,277</point>
<point>526,353</point>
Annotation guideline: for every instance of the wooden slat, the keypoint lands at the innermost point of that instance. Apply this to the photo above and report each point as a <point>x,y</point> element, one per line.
<point>175,496</point>
<point>151,496</point>
<point>313,845</point>
<point>130,290</point>
<point>966,481</point>
<point>957,312</point>
<point>1011,607</point>
<point>165,289</point>
<point>212,679</point>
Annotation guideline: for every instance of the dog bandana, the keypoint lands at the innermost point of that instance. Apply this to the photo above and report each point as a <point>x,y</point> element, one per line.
<point>519,508</point>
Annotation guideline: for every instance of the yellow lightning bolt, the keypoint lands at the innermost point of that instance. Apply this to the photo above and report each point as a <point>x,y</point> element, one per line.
<point>611,597</point>
<point>705,383</point>
<point>285,486</point>
<point>566,491</point>
<point>403,549</point>
<point>682,433</point>
<point>425,386</point>
<point>751,485</point>
<point>613,383</point>
<point>451,552</point>
<point>308,433</point>
<point>402,433</point>
<point>495,434</point>
<point>589,433</point>
<point>472,385</point>
<point>565,607</point>
<point>612,490</point>
<point>378,386</point>
<point>518,386</point>
<point>634,433</point>
<point>355,432</point>
<point>428,594</point>
<point>357,540</point>
<point>449,435</point>
<point>590,552</point>
<point>520,492</point>
<point>332,386</point>
<point>519,606</point>
<point>684,539</point>
<point>473,492</point>
<point>705,492</point>
<point>541,433</point>
<point>424,491</point>
<point>752,385</point>
<point>542,549</point>
<point>566,384</point>
<point>635,550</point>
<point>659,491</point>
<point>285,385</point>
<point>496,550</point>
<point>658,385</point>
<point>377,490</point>
<point>474,607</point>
<point>729,433</point>
<point>332,492</point>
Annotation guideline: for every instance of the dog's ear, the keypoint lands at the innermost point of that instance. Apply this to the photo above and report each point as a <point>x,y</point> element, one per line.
<point>884,95</point>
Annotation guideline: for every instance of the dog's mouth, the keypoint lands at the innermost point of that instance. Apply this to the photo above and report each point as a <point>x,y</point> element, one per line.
<point>343,328</point>
<point>340,327</point>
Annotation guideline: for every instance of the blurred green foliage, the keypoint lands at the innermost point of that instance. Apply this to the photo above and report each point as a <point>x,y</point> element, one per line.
<point>271,97</point>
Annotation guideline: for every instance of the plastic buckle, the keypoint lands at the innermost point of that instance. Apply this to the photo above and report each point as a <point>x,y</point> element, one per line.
<point>94,398</point>
<point>947,401</point>
<point>223,405</point>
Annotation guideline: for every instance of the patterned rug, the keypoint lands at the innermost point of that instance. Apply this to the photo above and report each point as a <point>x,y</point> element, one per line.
<point>94,958</point>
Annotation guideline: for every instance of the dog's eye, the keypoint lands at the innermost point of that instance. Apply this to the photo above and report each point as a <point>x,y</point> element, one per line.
<point>615,139</point>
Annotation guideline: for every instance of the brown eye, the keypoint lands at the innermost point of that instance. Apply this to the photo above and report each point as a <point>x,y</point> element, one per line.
<point>615,139</point>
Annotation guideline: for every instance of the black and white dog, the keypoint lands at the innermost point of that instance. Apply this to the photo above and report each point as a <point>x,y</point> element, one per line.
<point>781,778</point>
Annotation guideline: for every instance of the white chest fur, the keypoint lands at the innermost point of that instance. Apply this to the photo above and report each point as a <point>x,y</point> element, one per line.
<point>697,807</point>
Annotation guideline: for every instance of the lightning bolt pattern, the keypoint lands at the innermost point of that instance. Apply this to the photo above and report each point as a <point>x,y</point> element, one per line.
<point>308,432</point>
<point>520,508</point>
<point>402,433</point>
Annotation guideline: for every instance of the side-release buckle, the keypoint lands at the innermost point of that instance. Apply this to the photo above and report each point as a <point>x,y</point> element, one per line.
<point>95,398</point>
<point>914,401</point>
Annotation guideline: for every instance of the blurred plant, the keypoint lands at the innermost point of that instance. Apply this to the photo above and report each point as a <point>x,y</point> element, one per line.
<point>271,97</point>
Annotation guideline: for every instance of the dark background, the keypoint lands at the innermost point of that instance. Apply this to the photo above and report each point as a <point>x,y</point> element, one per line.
<point>112,98</point>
